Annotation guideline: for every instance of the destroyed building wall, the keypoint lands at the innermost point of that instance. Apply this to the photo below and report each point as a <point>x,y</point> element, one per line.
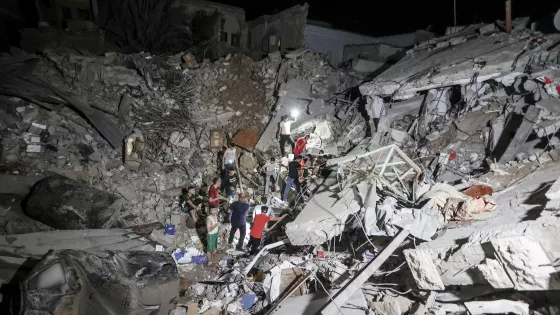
<point>332,42</point>
<point>230,29</point>
<point>66,11</point>
<point>285,27</point>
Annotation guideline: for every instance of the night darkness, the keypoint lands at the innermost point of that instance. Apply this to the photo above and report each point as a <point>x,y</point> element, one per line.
<point>393,17</point>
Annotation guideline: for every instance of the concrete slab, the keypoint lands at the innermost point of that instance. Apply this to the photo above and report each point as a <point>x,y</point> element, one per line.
<point>38,244</point>
<point>323,217</point>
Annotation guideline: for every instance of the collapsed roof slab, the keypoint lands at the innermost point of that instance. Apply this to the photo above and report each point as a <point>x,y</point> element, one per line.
<point>512,257</point>
<point>476,60</point>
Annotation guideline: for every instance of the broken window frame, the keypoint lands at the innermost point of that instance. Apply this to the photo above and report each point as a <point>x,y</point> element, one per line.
<point>383,164</point>
<point>235,40</point>
<point>223,37</point>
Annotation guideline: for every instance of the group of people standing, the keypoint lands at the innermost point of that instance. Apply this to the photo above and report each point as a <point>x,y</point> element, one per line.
<point>223,192</point>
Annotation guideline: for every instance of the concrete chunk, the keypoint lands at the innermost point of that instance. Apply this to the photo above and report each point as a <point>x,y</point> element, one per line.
<point>323,217</point>
<point>526,263</point>
<point>423,270</point>
<point>495,274</point>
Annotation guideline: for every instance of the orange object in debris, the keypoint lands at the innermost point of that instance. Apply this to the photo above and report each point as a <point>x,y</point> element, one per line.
<point>321,254</point>
<point>452,156</point>
<point>478,190</point>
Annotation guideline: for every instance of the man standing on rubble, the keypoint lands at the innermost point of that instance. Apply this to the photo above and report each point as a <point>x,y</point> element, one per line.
<point>212,226</point>
<point>284,133</point>
<point>259,223</point>
<point>294,172</point>
<point>229,160</point>
<point>270,171</point>
<point>301,145</point>
<point>238,210</point>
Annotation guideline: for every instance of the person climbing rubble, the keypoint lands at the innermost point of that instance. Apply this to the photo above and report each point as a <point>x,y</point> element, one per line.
<point>259,223</point>
<point>301,146</point>
<point>270,170</point>
<point>238,210</point>
<point>187,202</point>
<point>285,133</point>
<point>294,173</point>
<point>212,227</point>
<point>229,160</point>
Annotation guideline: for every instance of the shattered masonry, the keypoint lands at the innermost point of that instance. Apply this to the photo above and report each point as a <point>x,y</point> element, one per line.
<point>438,192</point>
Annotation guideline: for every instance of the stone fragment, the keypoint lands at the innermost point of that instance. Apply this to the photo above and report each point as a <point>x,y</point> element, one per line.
<point>67,204</point>
<point>423,270</point>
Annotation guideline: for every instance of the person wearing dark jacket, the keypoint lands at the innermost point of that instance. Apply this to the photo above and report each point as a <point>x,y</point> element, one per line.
<point>238,210</point>
<point>294,172</point>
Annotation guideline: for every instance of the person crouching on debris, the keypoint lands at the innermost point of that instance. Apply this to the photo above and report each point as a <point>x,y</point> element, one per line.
<point>301,146</point>
<point>186,202</point>
<point>270,171</point>
<point>238,210</point>
<point>294,172</point>
<point>259,223</point>
<point>214,196</point>
<point>284,133</point>
<point>229,160</point>
<point>212,226</point>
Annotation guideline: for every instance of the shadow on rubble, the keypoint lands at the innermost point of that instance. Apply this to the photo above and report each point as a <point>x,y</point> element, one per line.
<point>537,198</point>
<point>10,302</point>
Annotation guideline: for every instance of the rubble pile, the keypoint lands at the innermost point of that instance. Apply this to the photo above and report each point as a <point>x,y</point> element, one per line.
<point>438,192</point>
<point>166,111</point>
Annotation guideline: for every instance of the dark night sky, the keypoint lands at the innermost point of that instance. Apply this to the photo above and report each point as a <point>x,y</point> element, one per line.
<point>378,17</point>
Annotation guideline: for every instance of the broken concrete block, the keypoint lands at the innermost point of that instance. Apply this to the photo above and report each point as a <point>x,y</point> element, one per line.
<point>34,148</point>
<point>36,128</point>
<point>487,29</point>
<point>497,307</point>
<point>127,192</point>
<point>554,191</point>
<point>322,218</point>
<point>178,139</point>
<point>63,203</point>
<point>495,274</point>
<point>29,138</point>
<point>526,263</point>
<point>546,127</point>
<point>423,270</point>
<point>160,237</point>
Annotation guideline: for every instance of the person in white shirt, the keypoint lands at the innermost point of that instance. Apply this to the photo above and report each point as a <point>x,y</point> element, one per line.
<point>229,160</point>
<point>284,134</point>
<point>270,171</point>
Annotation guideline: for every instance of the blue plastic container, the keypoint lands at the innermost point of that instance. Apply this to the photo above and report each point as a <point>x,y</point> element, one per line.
<point>169,229</point>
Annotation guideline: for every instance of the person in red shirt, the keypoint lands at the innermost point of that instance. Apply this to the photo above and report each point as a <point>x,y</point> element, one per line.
<point>213,196</point>
<point>257,229</point>
<point>301,143</point>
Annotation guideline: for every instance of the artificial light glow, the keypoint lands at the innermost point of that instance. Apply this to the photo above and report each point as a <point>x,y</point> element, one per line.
<point>295,113</point>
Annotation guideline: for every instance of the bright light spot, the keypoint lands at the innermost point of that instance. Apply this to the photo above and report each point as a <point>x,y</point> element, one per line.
<point>295,113</point>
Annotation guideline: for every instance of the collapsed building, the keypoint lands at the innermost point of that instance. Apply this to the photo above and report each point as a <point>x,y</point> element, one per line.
<point>441,196</point>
